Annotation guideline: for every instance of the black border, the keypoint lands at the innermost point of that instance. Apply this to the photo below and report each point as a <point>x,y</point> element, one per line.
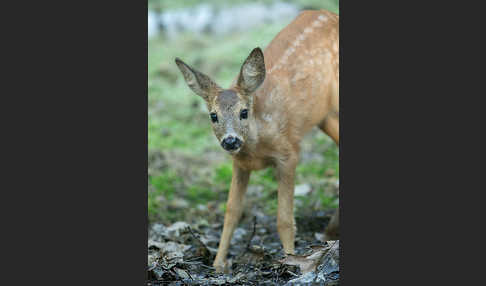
<point>77,175</point>
<point>408,127</point>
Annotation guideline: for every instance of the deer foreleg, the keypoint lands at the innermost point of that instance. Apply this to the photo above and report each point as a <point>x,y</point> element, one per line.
<point>285,212</point>
<point>234,210</point>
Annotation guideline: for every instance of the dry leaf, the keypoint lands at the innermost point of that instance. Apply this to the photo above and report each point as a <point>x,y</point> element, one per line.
<point>309,262</point>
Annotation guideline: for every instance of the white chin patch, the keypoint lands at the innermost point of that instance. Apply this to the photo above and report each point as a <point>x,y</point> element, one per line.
<point>233,152</point>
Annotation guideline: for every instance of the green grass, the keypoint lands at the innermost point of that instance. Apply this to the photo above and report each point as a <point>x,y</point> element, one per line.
<point>179,125</point>
<point>161,5</point>
<point>198,195</point>
<point>223,174</point>
<point>164,186</point>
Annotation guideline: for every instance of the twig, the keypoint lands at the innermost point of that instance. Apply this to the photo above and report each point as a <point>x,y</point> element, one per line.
<point>288,271</point>
<point>207,267</point>
<point>252,234</point>
<point>199,241</point>
<point>249,240</point>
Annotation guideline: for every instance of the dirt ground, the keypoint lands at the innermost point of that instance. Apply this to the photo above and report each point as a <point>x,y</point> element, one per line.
<point>182,253</point>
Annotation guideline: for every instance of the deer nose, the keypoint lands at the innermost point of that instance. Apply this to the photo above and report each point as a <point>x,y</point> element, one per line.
<point>231,143</point>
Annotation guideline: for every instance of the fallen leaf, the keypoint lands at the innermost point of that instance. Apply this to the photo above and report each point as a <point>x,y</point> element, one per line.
<point>309,262</point>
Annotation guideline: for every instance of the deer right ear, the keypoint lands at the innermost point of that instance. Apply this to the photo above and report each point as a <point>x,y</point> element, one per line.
<point>252,72</point>
<point>200,83</point>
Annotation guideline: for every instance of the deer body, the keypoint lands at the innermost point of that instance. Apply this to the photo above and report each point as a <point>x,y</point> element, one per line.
<point>301,88</point>
<point>276,99</point>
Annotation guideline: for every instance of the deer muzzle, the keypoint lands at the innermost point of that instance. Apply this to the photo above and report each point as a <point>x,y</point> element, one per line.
<point>231,143</point>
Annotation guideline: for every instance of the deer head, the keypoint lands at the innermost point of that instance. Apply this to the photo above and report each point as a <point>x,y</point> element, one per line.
<point>230,110</point>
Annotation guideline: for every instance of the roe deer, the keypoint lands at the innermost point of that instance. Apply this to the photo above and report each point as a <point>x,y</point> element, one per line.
<point>277,97</point>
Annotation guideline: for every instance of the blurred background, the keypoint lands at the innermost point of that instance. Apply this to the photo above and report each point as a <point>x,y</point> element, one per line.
<point>189,173</point>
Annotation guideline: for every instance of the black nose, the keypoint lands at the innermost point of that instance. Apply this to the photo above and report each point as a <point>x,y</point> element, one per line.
<point>231,143</point>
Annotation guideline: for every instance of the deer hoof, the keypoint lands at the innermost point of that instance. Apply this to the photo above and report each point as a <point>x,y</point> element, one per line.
<point>220,266</point>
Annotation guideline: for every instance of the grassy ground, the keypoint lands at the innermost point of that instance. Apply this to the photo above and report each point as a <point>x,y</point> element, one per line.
<point>160,5</point>
<point>188,170</point>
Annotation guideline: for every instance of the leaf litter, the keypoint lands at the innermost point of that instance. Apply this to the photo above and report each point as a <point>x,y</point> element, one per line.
<point>182,254</point>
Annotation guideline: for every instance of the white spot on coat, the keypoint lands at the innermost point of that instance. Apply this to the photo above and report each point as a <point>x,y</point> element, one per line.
<point>322,18</point>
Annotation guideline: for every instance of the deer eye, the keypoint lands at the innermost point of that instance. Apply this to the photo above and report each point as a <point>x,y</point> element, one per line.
<point>214,117</point>
<point>244,114</point>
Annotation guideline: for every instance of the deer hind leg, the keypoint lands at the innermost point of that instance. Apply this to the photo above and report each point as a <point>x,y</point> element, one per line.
<point>332,230</point>
<point>330,126</point>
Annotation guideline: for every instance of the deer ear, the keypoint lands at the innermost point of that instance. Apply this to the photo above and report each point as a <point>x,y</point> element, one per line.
<point>252,72</point>
<point>200,83</point>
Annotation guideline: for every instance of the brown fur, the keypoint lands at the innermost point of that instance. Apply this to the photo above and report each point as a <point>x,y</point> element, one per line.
<point>290,88</point>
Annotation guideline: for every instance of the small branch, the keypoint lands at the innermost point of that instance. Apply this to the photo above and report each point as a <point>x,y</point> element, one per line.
<point>198,240</point>
<point>252,234</point>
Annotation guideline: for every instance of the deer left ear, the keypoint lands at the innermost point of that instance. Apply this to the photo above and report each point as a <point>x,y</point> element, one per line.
<point>252,72</point>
